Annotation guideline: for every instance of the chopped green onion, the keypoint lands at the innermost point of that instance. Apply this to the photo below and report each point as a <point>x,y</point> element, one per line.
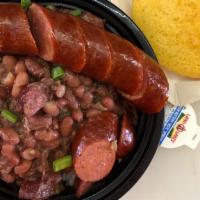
<point>25,3</point>
<point>57,73</point>
<point>62,163</point>
<point>6,114</point>
<point>51,7</point>
<point>76,12</point>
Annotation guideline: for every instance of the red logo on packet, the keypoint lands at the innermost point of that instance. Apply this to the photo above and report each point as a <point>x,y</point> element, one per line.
<point>180,128</point>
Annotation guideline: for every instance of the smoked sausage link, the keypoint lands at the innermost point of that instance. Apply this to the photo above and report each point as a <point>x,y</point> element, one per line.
<point>156,90</point>
<point>15,34</point>
<point>94,147</point>
<point>83,47</point>
<point>128,68</point>
<point>58,36</point>
<point>98,55</point>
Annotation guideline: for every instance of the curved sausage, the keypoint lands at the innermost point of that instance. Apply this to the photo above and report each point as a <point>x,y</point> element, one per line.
<point>93,147</point>
<point>156,92</point>
<point>58,37</point>
<point>16,37</point>
<point>126,141</point>
<point>106,56</point>
<point>98,64</point>
<point>38,122</point>
<point>128,68</point>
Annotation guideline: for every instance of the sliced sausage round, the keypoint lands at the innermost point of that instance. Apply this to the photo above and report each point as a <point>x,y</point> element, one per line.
<point>16,37</point>
<point>38,122</point>
<point>127,66</point>
<point>58,37</point>
<point>156,90</point>
<point>93,152</point>
<point>98,64</point>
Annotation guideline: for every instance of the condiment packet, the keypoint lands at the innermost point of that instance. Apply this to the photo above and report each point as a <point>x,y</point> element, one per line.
<point>182,120</point>
<point>182,126</point>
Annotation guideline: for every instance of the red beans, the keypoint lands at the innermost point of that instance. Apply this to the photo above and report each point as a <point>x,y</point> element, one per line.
<point>92,112</point>
<point>8,178</point>
<point>9,80</point>
<point>86,81</point>
<point>46,135</point>
<point>87,99</point>
<point>9,152</point>
<point>9,62</point>
<point>101,90</point>
<point>51,145</point>
<point>77,115</point>
<point>21,80</point>
<point>5,166</point>
<point>71,99</point>
<point>66,126</point>
<point>55,124</point>
<point>51,112</point>
<point>61,103</point>
<point>108,103</point>
<point>23,167</point>
<point>60,91</point>
<point>30,154</point>
<point>9,135</point>
<point>51,108</point>
<point>79,91</point>
<point>30,142</point>
<point>72,81</point>
<point>20,67</point>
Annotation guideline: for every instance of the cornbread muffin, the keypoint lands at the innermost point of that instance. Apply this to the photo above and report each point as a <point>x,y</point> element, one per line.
<point>173,29</point>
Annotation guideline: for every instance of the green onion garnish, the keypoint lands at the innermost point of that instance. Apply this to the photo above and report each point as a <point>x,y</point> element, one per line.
<point>57,73</point>
<point>25,3</point>
<point>51,7</point>
<point>62,163</point>
<point>6,114</point>
<point>76,12</point>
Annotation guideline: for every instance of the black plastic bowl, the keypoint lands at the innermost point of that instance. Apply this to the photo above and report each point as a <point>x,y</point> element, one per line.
<point>125,174</point>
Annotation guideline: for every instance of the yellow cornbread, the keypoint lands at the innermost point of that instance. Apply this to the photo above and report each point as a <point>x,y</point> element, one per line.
<point>173,29</point>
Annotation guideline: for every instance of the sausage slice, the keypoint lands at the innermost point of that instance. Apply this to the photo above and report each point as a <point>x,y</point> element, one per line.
<point>98,64</point>
<point>94,151</point>
<point>58,37</point>
<point>156,90</point>
<point>126,141</point>
<point>15,34</point>
<point>127,66</point>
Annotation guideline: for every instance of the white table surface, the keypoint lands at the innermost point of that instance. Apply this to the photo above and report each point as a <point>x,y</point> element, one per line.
<point>174,174</point>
